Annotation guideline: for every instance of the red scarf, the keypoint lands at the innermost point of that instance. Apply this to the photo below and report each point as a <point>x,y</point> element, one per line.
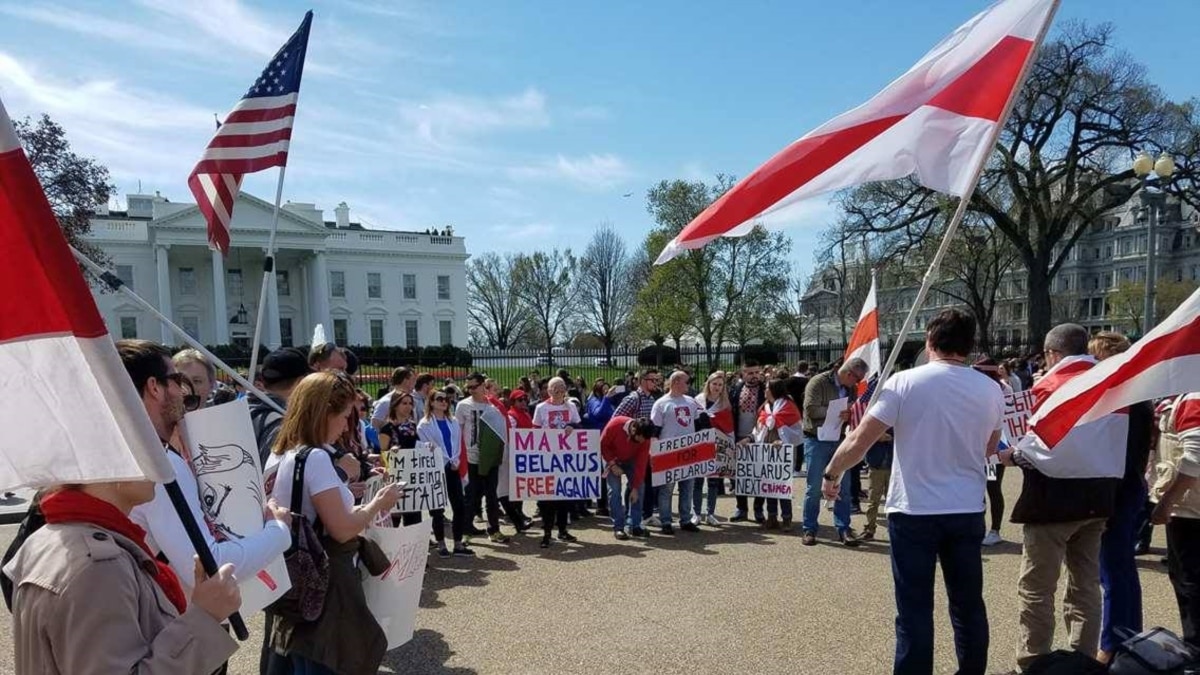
<point>73,506</point>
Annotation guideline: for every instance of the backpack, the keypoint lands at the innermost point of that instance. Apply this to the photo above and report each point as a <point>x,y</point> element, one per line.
<point>266,422</point>
<point>306,560</point>
<point>1154,651</point>
<point>32,522</point>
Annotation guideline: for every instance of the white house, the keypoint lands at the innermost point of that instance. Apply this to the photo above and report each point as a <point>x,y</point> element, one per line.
<point>368,287</point>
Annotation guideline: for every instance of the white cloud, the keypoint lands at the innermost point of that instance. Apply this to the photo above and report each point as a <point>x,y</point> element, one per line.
<point>447,120</point>
<point>596,172</point>
<point>95,25</point>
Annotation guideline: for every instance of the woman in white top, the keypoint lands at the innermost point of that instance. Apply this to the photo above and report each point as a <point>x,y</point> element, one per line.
<point>715,402</point>
<point>317,414</point>
<point>440,428</point>
<point>556,413</point>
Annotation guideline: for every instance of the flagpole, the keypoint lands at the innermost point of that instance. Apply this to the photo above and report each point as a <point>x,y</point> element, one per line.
<point>268,270</point>
<point>963,203</point>
<point>114,282</point>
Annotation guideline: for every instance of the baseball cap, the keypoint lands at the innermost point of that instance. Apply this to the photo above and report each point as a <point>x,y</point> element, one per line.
<point>284,364</point>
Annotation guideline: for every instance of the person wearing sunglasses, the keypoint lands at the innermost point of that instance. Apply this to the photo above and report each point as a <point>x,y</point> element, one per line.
<point>438,426</point>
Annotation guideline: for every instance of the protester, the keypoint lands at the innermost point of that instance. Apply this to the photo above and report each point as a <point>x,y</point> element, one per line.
<point>403,380</point>
<point>714,400</point>
<point>421,388</point>
<point>327,356</point>
<point>560,414</point>
<point>1008,377</point>
<point>399,433</point>
<point>281,370</point>
<point>439,427</point>
<point>879,464</point>
<point>820,392</point>
<point>485,433</point>
<point>199,372</point>
<point>1063,517</point>
<point>598,411</point>
<point>995,484</point>
<point>625,449</point>
<point>316,417</point>
<point>1119,581</point>
<point>639,403</point>
<point>1177,494</point>
<point>778,422</point>
<point>91,599</point>
<point>945,418</point>
<point>746,399</point>
<point>675,414</point>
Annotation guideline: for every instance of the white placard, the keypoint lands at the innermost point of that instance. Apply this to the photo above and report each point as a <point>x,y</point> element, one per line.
<point>424,469</point>
<point>394,596</point>
<point>831,430</point>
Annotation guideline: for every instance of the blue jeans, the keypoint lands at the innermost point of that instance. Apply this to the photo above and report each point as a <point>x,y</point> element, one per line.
<point>698,501</point>
<point>918,544</point>
<point>615,506</point>
<point>817,455</point>
<point>685,501</point>
<point>1118,569</point>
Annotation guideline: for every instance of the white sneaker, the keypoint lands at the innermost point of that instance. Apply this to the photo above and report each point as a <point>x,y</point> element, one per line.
<point>710,519</point>
<point>654,522</point>
<point>992,538</point>
<point>695,519</point>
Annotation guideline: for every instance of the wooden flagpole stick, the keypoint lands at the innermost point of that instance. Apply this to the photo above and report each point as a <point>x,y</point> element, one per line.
<point>963,203</point>
<point>268,272</point>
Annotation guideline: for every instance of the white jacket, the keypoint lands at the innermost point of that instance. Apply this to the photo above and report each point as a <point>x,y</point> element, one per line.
<point>428,431</point>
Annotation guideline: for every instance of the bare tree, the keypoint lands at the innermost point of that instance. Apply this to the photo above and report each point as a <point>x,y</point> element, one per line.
<point>545,283</point>
<point>789,309</point>
<point>607,290</point>
<point>493,303</point>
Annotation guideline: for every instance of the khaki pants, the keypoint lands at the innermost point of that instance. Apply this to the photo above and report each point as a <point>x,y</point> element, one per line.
<point>1047,548</point>
<point>878,486</point>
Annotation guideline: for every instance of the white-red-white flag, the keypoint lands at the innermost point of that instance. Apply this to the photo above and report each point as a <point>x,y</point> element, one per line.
<point>1165,362</point>
<point>70,412</point>
<point>935,121</point>
<point>864,344</point>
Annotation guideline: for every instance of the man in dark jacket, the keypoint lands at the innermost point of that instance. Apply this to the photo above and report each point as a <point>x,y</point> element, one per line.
<point>746,398</point>
<point>281,370</point>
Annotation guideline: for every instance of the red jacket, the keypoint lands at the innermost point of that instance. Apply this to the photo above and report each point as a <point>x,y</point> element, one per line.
<point>616,447</point>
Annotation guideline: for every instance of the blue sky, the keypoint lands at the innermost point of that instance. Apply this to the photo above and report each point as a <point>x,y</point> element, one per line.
<point>523,124</point>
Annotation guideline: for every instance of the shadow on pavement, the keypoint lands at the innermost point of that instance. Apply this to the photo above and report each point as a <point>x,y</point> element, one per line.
<point>427,652</point>
<point>446,573</point>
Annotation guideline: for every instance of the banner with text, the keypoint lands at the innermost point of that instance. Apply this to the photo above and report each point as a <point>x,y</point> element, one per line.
<point>553,464</point>
<point>683,457</point>
<point>1016,415</point>
<point>726,456</point>
<point>393,597</point>
<point>424,469</point>
<point>764,470</point>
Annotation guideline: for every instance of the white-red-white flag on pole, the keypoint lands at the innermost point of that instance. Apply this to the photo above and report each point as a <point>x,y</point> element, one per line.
<point>864,344</point>
<point>934,122</point>
<point>1165,362</point>
<point>70,412</point>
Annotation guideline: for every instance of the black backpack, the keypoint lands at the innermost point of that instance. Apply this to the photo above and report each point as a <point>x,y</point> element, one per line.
<point>33,521</point>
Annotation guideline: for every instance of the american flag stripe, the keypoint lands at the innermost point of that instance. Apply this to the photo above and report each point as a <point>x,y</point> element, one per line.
<point>255,136</point>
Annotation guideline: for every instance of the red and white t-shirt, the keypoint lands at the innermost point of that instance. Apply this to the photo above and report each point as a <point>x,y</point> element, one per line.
<point>1187,426</point>
<point>549,415</point>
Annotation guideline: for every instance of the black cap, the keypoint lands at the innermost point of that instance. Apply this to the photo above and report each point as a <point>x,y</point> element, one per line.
<point>284,364</point>
<point>351,361</point>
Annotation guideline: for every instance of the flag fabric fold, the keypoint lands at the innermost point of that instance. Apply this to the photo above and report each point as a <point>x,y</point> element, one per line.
<point>864,344</point>
<point>70,413</point>
<point>934,122</point>
<point>254,136</point>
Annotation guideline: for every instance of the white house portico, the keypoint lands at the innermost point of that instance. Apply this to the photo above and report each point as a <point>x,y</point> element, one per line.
<point>367,287</point>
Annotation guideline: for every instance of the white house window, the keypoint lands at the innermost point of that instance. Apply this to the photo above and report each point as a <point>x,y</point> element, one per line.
<point>445,331</point>
<point>129,328</point>
<point>341,329</point>
<point>443,282</point>
<point>284,285</point>
<point>410,286</point>
<point>125,274</point>
<point>376,332</point>
<point>187,281</point>
<point>285,332</point>
<point>337,284</point>
<point>233,282</point>
<point>191,326</point>
<point>374,286</point>
<point>412,336</point>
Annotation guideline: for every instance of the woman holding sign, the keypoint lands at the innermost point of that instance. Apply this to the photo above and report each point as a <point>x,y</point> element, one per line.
<point>399,432</point>
<point>440,428</point>
<point>715,402</point>
<point>778,422</point>
<point>556,413</point>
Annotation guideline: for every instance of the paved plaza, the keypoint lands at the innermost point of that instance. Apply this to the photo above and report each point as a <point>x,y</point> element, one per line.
<point>732,599</point>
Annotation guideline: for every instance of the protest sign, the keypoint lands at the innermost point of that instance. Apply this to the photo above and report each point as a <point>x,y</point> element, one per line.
<point>764,470</point>
<point>424,469</point>
<point>726,457</point>
<point>373,485</point>
<point>553,464</point>
<point>393,596</point>
<point>224,455</point>
<point>1016,415</point>
<point>688,456</point>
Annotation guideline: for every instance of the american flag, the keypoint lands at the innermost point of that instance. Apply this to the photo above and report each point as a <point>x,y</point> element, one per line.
<point>254,136</point>
<point>859,408</point>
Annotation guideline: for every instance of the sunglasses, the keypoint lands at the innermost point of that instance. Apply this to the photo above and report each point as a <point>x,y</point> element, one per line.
<point>440,399</point>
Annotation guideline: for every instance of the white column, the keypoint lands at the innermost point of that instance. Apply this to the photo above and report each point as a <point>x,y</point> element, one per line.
<point>306,299</point>
<point>220,304</point>
<point>320,279</point>
<point>271,330</point>
<point>164,291</point>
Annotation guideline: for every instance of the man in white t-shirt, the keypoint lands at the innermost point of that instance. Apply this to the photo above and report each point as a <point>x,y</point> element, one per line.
<point>675,415</point>
<point>946,420</point>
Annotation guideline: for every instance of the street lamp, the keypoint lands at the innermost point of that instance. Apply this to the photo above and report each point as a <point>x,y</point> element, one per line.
<point>1153,199</point>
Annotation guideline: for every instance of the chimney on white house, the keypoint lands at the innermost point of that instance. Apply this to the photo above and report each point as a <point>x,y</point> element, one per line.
<point>342,216</point>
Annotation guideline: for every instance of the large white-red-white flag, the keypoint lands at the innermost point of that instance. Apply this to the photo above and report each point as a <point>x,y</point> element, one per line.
<point>70,413</point>
<point>1165,362</point>
<point>935,121</point>
<point>864,344</point>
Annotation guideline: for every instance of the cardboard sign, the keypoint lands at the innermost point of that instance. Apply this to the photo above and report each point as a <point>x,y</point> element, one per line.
<point>689,456</point>
<point>765,470</point>
<point>393,597</point>
<point>726,457</point>
<point>225,459</point>
<point>553,465</point>
<point>1017,408</point>
<point>424,469</point>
